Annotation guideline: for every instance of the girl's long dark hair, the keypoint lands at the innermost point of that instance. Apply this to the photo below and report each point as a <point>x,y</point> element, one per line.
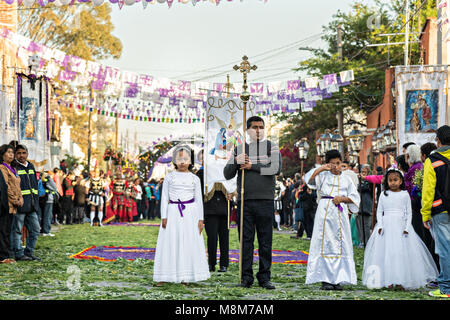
<point>385,180</point>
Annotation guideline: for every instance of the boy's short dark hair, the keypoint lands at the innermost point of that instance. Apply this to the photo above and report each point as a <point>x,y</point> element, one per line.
<point>427,148</point>
<point>443,134</point>
<point>332,154</point>
<point>253,119</point>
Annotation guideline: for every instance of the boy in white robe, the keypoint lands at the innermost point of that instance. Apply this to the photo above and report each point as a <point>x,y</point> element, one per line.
<point>330,258</point>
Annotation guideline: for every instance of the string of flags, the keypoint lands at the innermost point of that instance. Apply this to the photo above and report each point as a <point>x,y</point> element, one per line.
<point>444,6</point>
<point>142,97</point>
<point>120,3</point>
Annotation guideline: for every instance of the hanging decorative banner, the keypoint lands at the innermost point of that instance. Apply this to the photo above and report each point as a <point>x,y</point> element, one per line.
<point>32,105</point>
<point>140,96</point>
<point>421,102</point>
<point>8,118</point>
<point>223,132</point>
<point>120,3</point>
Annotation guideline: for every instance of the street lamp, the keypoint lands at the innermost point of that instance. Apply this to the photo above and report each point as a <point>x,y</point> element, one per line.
<point>319,148</point>
<point>325,141</point>
<point>303,148</point>
<point>374,143</point>
<point>356,142</point>
<point>337,142</point>
<point>380,139</point>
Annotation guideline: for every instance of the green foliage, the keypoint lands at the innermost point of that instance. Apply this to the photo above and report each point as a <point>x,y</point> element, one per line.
<point>368,63</point>
<point>84,31</point>
<point>80,30</point>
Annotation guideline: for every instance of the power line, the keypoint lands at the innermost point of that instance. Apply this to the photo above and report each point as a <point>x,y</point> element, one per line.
<point>252,57</point>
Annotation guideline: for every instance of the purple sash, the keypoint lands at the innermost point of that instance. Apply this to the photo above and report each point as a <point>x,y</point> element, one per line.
<point>337,205</point>
<point>181,204</point>
<point>10,168</point>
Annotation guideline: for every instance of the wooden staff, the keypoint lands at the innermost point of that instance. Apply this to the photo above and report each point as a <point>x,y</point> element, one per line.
<point>244,68</point>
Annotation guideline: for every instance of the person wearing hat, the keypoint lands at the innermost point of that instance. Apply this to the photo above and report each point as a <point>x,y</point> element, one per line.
<point>436,206</point>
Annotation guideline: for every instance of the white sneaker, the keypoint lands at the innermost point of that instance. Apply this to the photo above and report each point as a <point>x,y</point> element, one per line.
<point>48,235</point>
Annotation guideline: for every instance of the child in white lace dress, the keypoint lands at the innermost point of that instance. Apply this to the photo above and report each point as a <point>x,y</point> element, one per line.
<point>180,250</point>
<point>395,255</point>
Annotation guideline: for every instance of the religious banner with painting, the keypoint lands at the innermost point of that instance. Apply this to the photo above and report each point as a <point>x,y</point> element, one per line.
<point>223,132</point>
<point>32,108</point>
<point>421,102</point>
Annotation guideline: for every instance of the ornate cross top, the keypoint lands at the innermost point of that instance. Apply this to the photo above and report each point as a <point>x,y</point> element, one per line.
<point>245,68</point>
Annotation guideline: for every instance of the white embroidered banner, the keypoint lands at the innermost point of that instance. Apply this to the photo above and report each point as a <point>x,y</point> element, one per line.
<point>421,102</point>
<point>223,132</point>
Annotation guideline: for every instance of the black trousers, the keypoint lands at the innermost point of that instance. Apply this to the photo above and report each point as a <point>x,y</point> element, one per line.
<point>308,217</point>
<point>217,228</point>
<point>421,231</point>
<point>151,214</point>
<point>258,214</point>
<point>67,209</point>
<point>5,231</point>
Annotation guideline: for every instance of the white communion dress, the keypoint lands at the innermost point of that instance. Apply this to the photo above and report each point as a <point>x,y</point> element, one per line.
<point>394,258</point>
<point>331,250</point>
<point>180,250</point>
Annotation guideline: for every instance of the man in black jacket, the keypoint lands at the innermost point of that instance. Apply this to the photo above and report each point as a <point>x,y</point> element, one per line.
<point>261,162</point>
<point>27,214</point>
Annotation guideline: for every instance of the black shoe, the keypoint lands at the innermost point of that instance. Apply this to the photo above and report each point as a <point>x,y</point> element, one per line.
<point>337,287</point>
<point>267,285</point>
<point>245,284</point>
<point>294,237</point>
<point>212,269</point>
<point>327,286</point>
<point>223,269</point>
<point>34,258</point>
<point>24,258</point>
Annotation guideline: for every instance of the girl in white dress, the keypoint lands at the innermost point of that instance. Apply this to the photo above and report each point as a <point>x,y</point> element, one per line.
<point>180,250</point>
<point>395,255</point>
<point>330,259</point>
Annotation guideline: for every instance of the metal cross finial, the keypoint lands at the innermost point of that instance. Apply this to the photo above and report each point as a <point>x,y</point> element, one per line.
<point>245,68</point>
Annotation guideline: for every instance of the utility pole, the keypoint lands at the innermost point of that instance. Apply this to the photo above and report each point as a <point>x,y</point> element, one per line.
<point>406,62</point>
<point>340,114</point>
<point>439,35</point>
<point>89,129</point>
<point>116,132</point>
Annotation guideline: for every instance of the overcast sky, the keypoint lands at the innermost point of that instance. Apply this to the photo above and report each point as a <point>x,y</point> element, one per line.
<point>180,42</point>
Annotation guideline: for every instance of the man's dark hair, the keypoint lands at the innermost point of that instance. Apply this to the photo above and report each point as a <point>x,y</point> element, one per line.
<point>3,149</point>
<point>332,154</point>
<point>406,145</point>
<point>253,119</point>
<point>443,134</point>
<point>427,148</point>
<point>346,162</point>
<point>21,147</point>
